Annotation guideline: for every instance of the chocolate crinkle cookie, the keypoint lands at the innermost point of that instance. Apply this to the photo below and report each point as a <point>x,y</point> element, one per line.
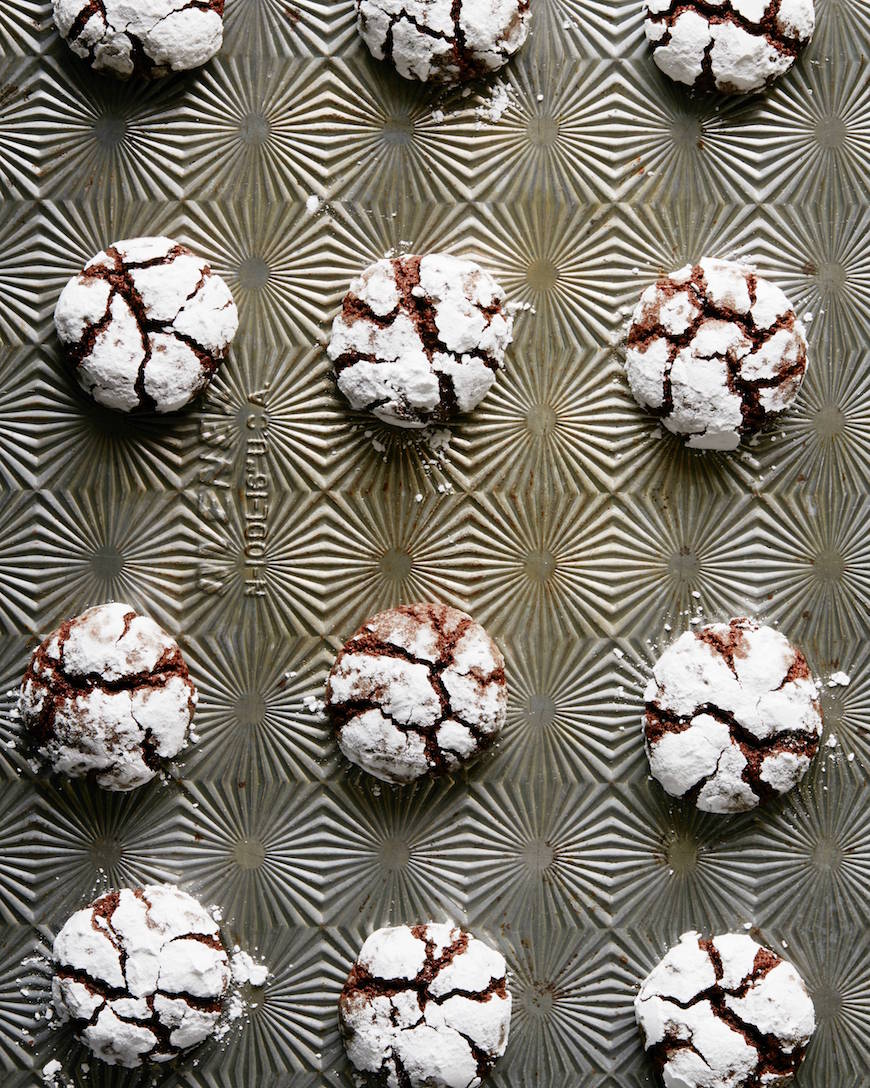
<point>732,46</point>
<point>148,38</point>
<point>724,1013</point>
<point>426,1005</point>
<point>145,325</point>
<point>419,689</point>
<point>715,351</point>
<point>107,695</point>
<point>443,41</point>
<point>419,339</point>
<point>732,716</point>
<point>141,974</point>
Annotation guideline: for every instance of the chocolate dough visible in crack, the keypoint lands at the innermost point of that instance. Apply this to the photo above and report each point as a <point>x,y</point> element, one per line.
<point>724,1013</point>
<point>419,339</point>
<point>425,1005</point>
<point>145,325</point>
<point>124,39</point>
<point>419,689</point>
<point>437,41</point>
<point>715,351</point>
<point>725,46</point>
<point>732,716</point>
<point>141,974</point>
<point>107,696</point>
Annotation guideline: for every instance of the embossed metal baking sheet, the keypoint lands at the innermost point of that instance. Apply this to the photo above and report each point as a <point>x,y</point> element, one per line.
<point>559,515</point>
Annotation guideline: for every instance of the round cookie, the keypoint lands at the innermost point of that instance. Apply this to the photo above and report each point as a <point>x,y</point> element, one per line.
<point>419,689</point>
<point>732,46</point>
<point>149,38</point>
<point>715,351</point>
<point>724,1013</point>
<point>732,716</point>
<point>146,324</point>
<point>419,339</point>
<point>426,1006</point>
<point>141,974</point>
<point>107,695</point>
<point>443,41</point>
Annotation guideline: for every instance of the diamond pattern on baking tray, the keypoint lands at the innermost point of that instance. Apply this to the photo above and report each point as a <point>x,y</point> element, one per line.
<point>667,550</point>
<point>573,712</point>
<point>92,840</point>
<point>391,855</point>
<point>565,997</point>
<point>257,718</point>
<point>529,855</point>
<point>255,126</point>
<point>812,569</point>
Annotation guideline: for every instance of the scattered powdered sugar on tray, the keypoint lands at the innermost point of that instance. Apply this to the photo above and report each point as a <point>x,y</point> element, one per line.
<point>494,108</point>
<point>246,970</point>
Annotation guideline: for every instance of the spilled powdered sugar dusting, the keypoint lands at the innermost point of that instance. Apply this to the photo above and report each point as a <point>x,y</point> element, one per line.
<point>426,1005</point>
<point>724,1013</point>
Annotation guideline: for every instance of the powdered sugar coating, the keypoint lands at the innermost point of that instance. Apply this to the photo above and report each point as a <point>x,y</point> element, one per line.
<point>141,974</point>
<point>443,41</point>
<point>732,716</point>
<point>107,695</point>
<point>733,46</point>
<point>145,324</point>
<point>148,38</point>
<point>419,339</point>
<point>426,1005</point>
<point>419,689</point>
<point>715,351</point>
<point>724,1013</point>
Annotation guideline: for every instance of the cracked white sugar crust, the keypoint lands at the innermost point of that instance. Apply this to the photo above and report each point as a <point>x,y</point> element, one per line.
<point>149,38</point>
<point>145,325</point>
<point>724,1013</point>
<point>731,46</point>
<point>419,339</point>
<point>439,41</point>
<point>107,695</point>
<point>715,351</point>
<point>732,716</point>
<point>141,974</point>
<point>419,689</point>
<point>426,1005</point>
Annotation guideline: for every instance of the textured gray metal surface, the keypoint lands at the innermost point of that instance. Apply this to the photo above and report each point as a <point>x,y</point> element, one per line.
<point>559,516</point>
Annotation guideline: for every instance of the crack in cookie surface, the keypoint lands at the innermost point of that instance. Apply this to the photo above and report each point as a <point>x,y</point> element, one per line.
<point>145,40</point>
<point>732,716</point>
<point>443,41</point>
<point>724,1013</point>
<point>419,339</point>
<point>107,696</point>
<point>141,974</point>
<point>735,46</point>
<point>419,689</point>
<point>145,325</point>
<point>426,1005</point>
<point>715,351</point>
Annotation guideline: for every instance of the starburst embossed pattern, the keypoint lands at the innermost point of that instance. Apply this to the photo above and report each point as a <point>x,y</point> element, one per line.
<point>265,522</point>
